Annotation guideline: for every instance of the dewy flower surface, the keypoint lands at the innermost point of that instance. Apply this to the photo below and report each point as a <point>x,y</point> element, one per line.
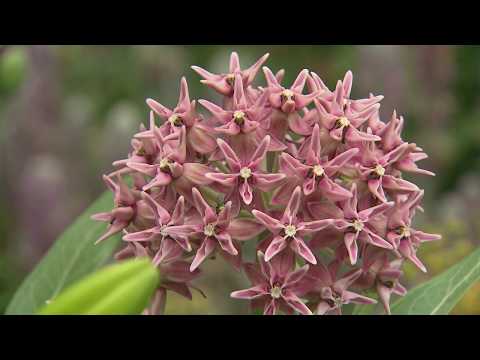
<point>311,176</point>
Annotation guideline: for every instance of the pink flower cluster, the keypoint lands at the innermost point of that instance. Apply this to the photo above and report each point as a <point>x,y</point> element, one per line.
<point>314,179</point>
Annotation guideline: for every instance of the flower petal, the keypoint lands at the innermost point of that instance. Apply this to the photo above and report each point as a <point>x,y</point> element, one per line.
<point>277,245</point>
<point>250,293</point>
<point>296,304</point>
<point>207,247</point>
<point>244,228</point>
<point>299,246</point>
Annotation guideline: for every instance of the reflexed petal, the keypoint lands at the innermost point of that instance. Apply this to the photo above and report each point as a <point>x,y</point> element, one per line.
<point>207,247</point>
<point>200,140</point>
<point>217,111</point>
<point>260,152</point>
<point>271,79</point>
<point>270,308</point>
<point>353,135</point>
<point>225,241</point>
<point>296,304</point>
<point>333,191</point>
<point>251,293</point>
<point>225,215</point>
<point>339,161</point>
<point>159,211</point>
<point>230,155</point>
<point>384,294</point>
<point>224,179</point>
<point>296,275</point>
<point>267,182</point>
<point>346,281</point>
<point>316,225</point>
<point>270,223</point>
<point>278,244</point>
<point>376,240</point>
<point>159,108</point>
<point>375,187</point>
<point>299,246</point>
<point>113,229</point>
<point>202,207</point>
<point>105,216</point>
<point>244,228</point>
<point>293,205</point>
<point>196,173</point>
<point>146,169</point>
<point>424,237</point>
<point>375,210</point>
<point>396,184</point>
<point>178,212</point>
<point>350,240</point>
<point>246,192</point>
<point>145,235</point>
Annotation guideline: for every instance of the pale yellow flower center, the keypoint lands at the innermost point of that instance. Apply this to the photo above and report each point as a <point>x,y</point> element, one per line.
<point>163,230</point>
<point>357,225</point>
<point>230,78</point>
<point>245,173</point>
<point>239,117</point>
<point>276,292</point>
<point>290,230</point>
<point>164,163</point>
<point>318,170</point>
<point>343,122</point>
<point>405,232</point>
<point>379,170</point>
<point>175,120</point>
<point>287,94</point>
<point>209,230</point>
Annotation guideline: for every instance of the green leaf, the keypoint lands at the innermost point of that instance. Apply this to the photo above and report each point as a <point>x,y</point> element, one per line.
<point>71,257</point>
<point>439,295</point>
<point>363,309</point>
<point>120,289</point>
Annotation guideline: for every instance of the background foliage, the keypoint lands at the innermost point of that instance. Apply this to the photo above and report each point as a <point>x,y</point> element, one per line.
<point>66,112</point>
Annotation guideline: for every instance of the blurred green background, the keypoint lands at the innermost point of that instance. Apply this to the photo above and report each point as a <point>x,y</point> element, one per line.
<point>66,112</point>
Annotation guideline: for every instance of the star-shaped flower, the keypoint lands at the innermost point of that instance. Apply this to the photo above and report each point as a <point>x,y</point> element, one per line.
<point>290,230</point>
<point>224,83</point>
<point>168,233</point>
<point>243,117</point>
<point>245,176</point>
<point>273,282</point>
<point>404,238</point>
<point>341,121</point>
<point>356,224</point>
<point>288,100</point>
<point>381,274</point>
<point>170,167</point>
<point>317,171</point>
<point>342,97</point>
<point>376,171</point>
<point>328,292</point>
<point>129,208</point>
<point>213,229</point>
<point>198,134</point>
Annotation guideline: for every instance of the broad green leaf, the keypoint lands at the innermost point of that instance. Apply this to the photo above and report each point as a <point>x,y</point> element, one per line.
<point>123,289</point>
<point>362,309</point>
<point>71,257</point>
<point>439,295</point>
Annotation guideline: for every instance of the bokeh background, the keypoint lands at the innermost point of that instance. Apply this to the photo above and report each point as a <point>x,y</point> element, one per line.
<point>66,112</point>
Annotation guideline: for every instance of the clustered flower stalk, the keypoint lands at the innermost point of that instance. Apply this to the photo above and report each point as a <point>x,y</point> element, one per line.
<point>310,175</point>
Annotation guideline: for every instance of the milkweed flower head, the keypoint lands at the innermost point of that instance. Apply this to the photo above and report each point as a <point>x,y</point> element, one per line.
<point>311,176</point>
